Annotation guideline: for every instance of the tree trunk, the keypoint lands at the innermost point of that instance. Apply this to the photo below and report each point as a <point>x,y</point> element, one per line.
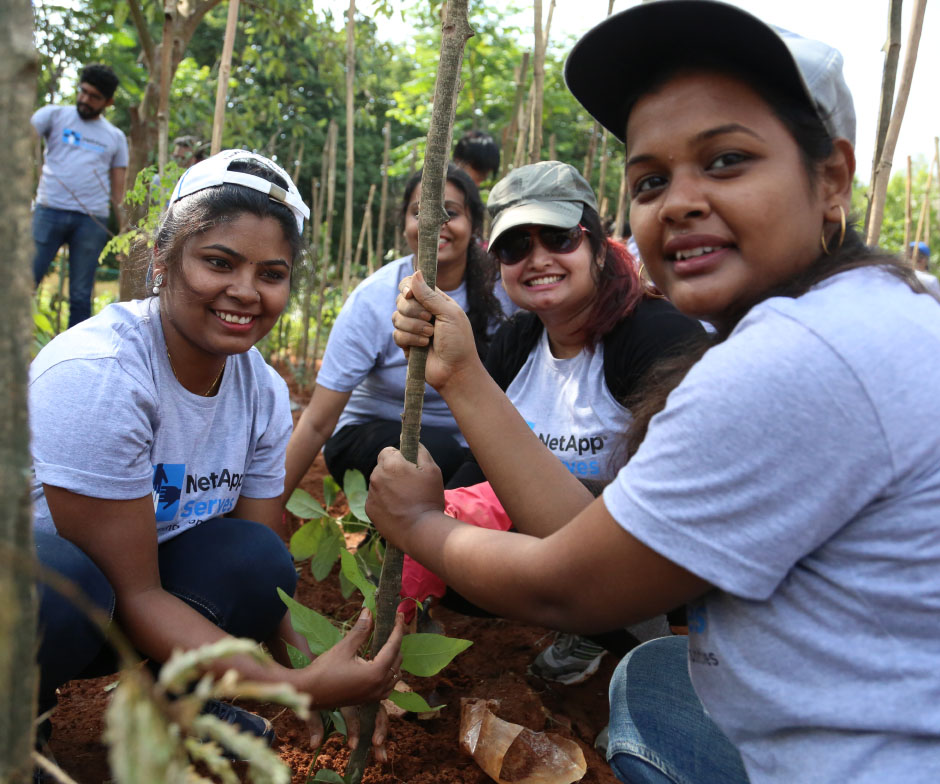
<point>538,71</point>
<point>331,135</point>
<point>552,155</point>
<point>431,216</point>
<point>350,141</point>
<point>621,220</point>
<point>588,171</point>
<point>908,212</point>
<point>882,172</point>
<point>225,68</point>
<point>366,222</point>
<point>18,72</point>
<point>166,77</point>
<point>311,279</point>
<point>923,222</point>
<point>892,50</point>
<point>383,201</point>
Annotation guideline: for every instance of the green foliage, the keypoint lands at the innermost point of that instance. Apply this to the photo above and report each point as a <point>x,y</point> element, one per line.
<point>411,701</point>
<point>428,654</point>
<point>892,228</point>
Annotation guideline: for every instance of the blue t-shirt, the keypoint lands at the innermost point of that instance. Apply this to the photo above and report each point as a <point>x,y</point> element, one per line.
<point>76,172</point>
<point>797,469</point>
<point>110,420</point>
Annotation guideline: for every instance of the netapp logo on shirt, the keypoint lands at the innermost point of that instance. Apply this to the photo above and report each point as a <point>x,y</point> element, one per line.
<point>581,444</point>
<point>226,478</point>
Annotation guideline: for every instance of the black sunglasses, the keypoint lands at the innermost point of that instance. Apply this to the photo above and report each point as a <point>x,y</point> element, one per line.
<point>516,244</point>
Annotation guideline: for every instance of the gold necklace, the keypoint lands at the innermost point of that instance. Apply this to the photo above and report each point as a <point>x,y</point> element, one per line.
<point>214,381</point>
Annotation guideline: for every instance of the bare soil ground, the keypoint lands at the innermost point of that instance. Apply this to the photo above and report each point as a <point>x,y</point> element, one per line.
<point>420,751</point>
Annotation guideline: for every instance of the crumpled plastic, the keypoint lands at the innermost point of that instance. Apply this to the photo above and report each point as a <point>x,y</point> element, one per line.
<point>512,754</point>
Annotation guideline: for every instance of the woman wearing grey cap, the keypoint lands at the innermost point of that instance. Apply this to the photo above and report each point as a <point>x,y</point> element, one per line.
<point>786,489</point>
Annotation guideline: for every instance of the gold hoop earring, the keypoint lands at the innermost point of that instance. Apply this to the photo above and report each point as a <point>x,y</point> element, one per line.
<point>822,235</point>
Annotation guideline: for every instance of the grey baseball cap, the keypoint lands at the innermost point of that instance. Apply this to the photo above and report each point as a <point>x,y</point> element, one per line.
<point>617,61</point>
<point>548,193</point>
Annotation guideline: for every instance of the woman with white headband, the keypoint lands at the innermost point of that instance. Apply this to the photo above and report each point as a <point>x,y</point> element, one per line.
<point>158,440</point>
<point>786,489</point>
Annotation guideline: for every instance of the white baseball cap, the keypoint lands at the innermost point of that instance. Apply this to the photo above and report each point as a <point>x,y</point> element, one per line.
<point>214,171</point>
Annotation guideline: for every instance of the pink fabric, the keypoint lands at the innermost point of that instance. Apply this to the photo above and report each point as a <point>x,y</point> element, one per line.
<point>476,505</point>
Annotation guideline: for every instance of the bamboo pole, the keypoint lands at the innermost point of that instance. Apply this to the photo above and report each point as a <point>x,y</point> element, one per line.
<point>511,134</point>
<point>350,146</point>
<point>431,216</point>
<point>923,222</point>
<point>163,106</point>
<point>225,68</point>
<point>892,50</point>
<point>883,171</point>
<point>908,211</point>
<point>331,135</point>
<point>366,222</point>
<point>383,200</point>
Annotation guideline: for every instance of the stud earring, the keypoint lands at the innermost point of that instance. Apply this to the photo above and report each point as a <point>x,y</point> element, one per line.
<point>157,283</point>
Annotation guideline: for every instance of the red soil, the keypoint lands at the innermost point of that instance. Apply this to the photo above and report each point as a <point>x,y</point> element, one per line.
<point>420,751</point>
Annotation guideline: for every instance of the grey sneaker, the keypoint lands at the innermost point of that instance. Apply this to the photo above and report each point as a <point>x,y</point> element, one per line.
<point>570,659</point>
<point>602,741</point>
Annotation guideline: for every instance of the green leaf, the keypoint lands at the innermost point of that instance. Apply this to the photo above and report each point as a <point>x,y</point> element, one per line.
<point>354,486</point>
<point>329,775</point>
<point>428,654</point>
<point>345,587</point>
<point>298,659</point>
<point>339,722</point>
<point>306,540</point>
<point>304,505</point>
<point>330,490</point>
<point>319,632</point>
<point>331,543</point>
<point>370,555</point>
<point>350,569</point>
<point>410,701</point>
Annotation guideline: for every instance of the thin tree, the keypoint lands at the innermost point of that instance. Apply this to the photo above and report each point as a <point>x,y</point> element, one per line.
<point>310,282</point>
<point>621,221</point>
<point>350,141</point>
<point>166,77</point>
<point>510,134</point>
<point>431,216</point>
<point>882,172</point>
<point>588,171</point>
<point>923,222</point>
<point>892,50</point>
<point>225,68</point>
<point>538,82</point>
<point>18,71</point>
<point>908,210</point>
<point>383,200</point>
<point>366,222</point>
<point>331,135</point>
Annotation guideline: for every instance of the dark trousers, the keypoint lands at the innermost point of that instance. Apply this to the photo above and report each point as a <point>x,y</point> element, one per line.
<point>228,570</point>
<point>86,237</point>
<point>358,446</point>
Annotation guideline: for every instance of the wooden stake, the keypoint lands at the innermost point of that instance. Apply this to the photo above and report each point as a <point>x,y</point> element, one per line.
<point>882,172</point>
<point>225,68</point>
<point>383,200</point>
<point>431,216</point>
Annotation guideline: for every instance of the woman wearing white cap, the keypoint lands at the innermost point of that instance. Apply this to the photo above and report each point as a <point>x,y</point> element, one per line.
<point>786,489</point>
<point>158,440</point>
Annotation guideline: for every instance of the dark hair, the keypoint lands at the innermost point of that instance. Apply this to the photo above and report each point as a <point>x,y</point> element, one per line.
<point>815,146</point>
<point>101,77</point>
<point>478,149</point>
<point>483,309</point>
<point>210,207</point>
<point>619,287</point>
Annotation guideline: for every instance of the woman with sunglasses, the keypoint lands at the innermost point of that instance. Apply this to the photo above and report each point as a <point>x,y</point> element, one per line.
<point>784,485</point>
<point>158,439</point>
<point>355,410</point>
<point>586,335</point>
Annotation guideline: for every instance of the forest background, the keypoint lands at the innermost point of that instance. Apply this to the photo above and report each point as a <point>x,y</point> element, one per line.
<point>288,82</point>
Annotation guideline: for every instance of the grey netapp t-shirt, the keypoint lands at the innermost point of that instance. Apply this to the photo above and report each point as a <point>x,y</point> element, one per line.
<point>76,172</point>
<point>109,420</point>
<point>797,469</point>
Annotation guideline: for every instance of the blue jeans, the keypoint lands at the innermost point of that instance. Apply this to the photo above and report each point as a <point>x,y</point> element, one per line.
<point>659,731</point>
<point>86,237</point>
<point>226,569</point>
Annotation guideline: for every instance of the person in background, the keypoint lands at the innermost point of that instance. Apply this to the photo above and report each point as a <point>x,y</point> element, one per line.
<point>355,411</point>
<point>83,170</point>
<point>921,259</point>
<point>782,484</point>
<point>478,155</point>
<point>188,151</point>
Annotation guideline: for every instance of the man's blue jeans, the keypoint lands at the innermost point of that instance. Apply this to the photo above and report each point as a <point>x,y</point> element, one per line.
<point>659,731</point>
<point>86,237</point>
<point>228,570</point>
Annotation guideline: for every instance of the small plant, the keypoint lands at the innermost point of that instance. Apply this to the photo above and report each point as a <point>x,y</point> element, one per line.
<point>322,540</point>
